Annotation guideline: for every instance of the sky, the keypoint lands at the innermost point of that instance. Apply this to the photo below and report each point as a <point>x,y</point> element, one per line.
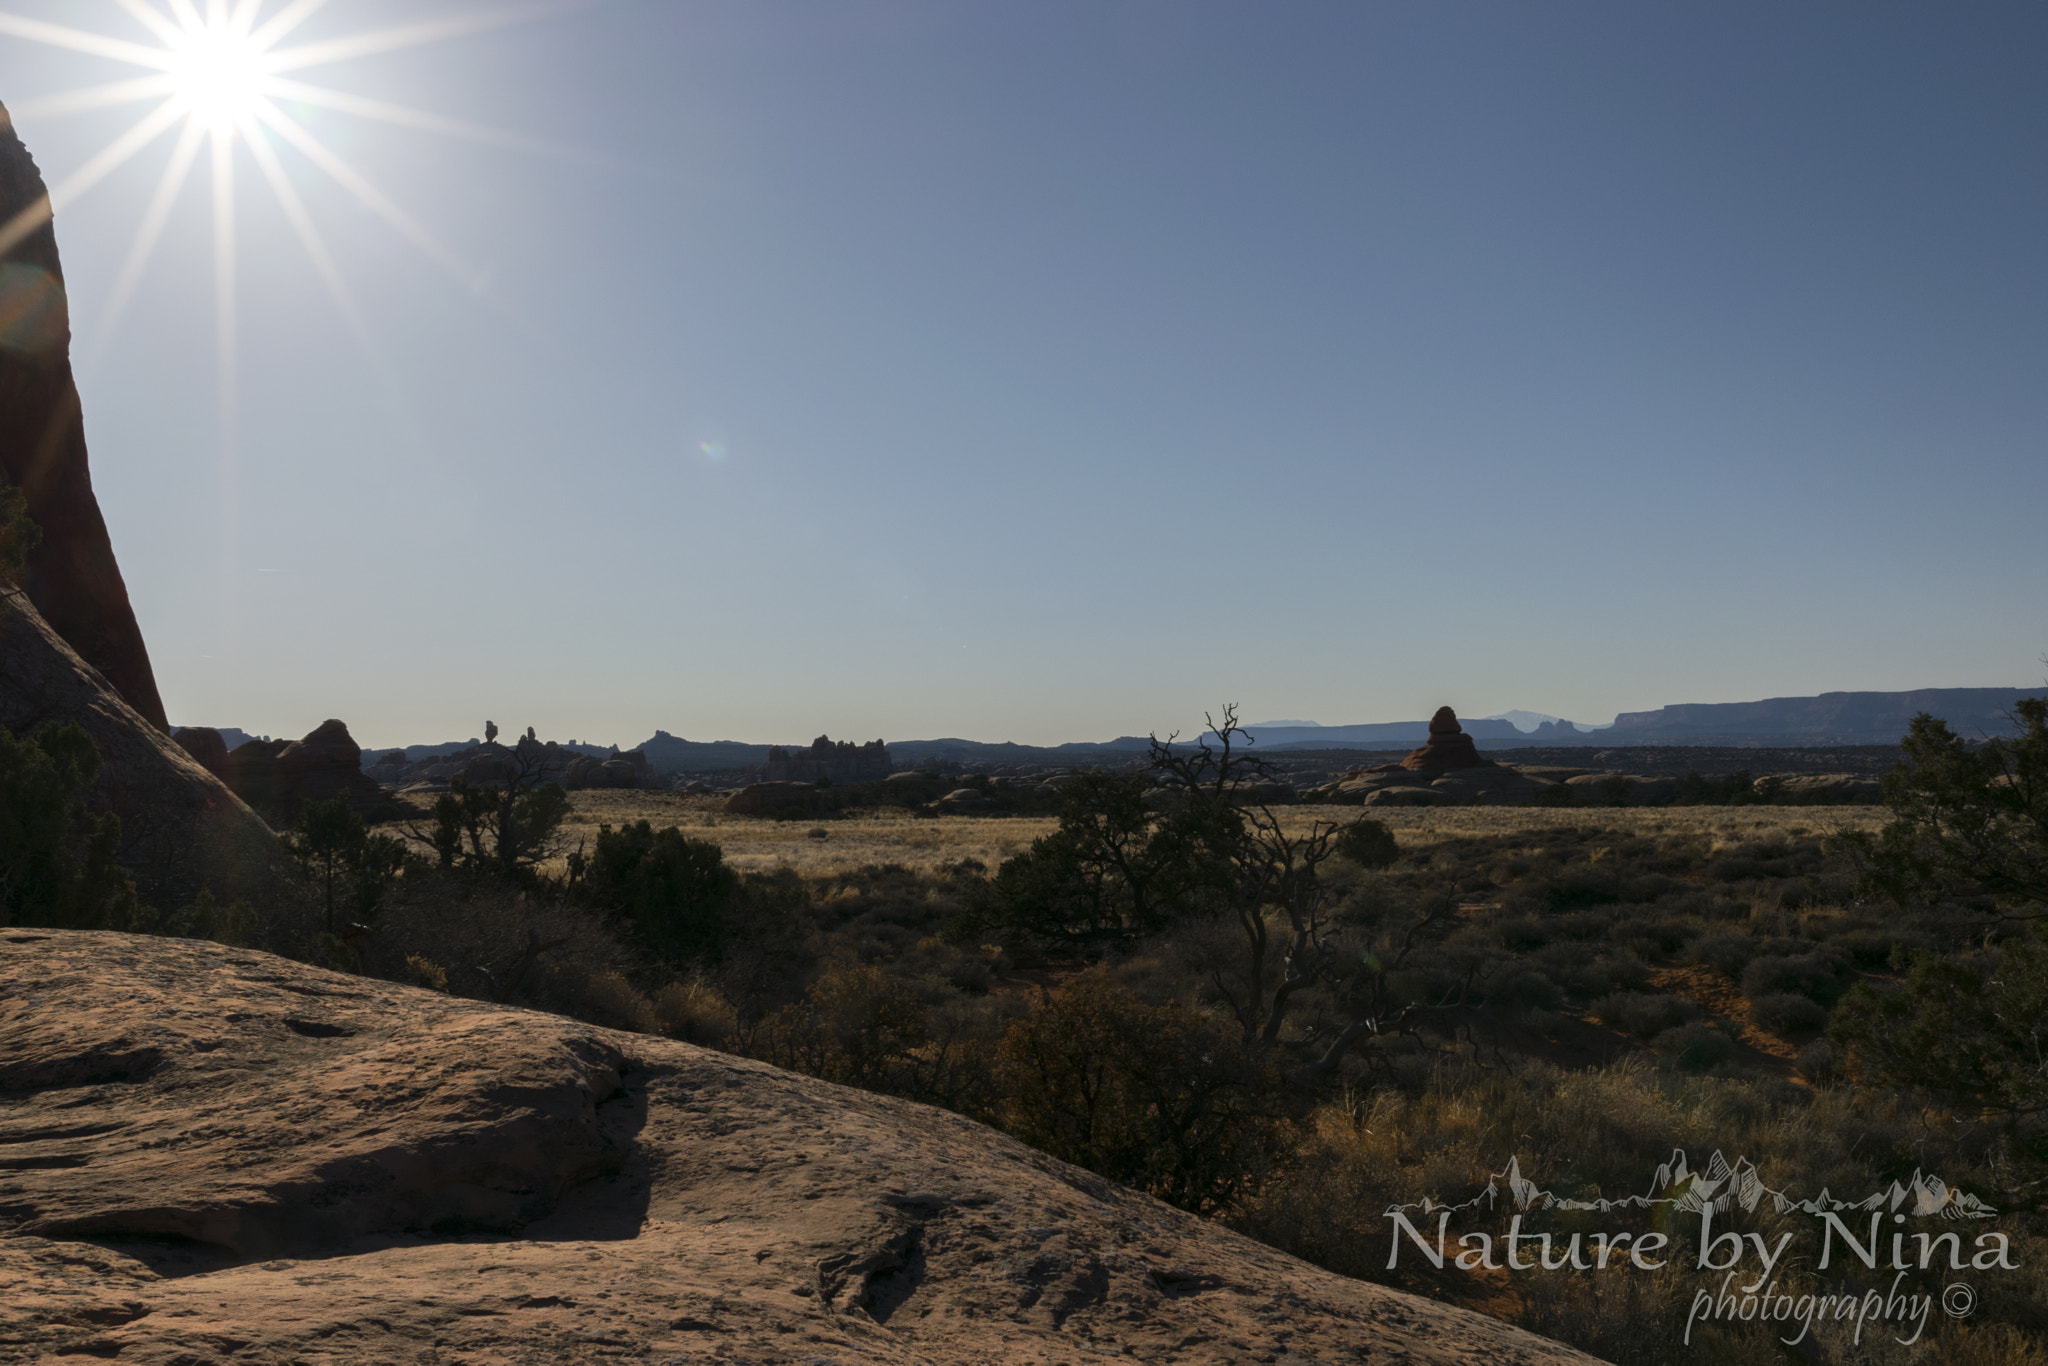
<point>1056,371</point>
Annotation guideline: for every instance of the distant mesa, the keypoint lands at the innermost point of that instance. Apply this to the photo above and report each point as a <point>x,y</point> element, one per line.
<point>844,762</point>
<point>1448,747</point>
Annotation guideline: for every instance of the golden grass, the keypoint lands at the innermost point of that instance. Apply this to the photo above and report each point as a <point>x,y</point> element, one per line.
<point>858,838</point>
<point>853,839</point>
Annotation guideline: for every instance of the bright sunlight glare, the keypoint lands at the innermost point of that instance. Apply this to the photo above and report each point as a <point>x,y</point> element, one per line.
<point>217,79</point>
<point>219,73</point>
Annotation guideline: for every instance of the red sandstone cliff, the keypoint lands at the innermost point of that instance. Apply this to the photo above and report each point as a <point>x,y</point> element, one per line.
<point>71,577</point>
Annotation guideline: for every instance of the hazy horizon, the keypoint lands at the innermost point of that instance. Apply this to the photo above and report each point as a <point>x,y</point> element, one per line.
<point>1055,372</point>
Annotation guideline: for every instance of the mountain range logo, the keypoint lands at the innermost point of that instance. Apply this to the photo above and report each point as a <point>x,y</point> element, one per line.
<point>1721,1186</point>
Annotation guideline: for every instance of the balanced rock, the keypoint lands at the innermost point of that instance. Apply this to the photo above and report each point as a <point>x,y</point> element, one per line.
<point>1448,746</point>
<point>214,1154</point>
<point>71,576</point>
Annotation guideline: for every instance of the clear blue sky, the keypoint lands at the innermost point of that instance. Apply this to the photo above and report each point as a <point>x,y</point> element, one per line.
<point>1050,371</point>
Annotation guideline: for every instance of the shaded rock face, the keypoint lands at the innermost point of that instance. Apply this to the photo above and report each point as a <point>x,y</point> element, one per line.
<point>181,828</point>
<point>206,747</point>
<point>279,777</point>
<point>71,576</point>
<point>1448,746</point>
<point>215,1154</point>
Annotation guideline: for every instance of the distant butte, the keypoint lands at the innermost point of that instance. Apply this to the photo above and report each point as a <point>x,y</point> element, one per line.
<point>1447,747</point>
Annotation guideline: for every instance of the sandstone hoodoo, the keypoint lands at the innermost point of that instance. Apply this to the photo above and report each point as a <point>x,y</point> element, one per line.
<point>1447,747</point>
<point>216,1155</point>
<point>71,576</point>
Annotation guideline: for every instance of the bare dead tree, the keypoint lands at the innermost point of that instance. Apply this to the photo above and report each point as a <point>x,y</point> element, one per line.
<point>1269,881</point>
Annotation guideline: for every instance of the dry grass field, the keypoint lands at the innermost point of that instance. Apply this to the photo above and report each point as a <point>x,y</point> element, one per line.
<point>863,838</point>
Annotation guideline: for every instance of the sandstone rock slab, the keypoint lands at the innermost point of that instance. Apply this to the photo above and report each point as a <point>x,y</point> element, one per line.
<point>216,1155</point>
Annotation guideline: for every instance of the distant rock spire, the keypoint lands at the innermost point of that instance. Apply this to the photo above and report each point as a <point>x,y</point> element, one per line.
<point>1448,747</point>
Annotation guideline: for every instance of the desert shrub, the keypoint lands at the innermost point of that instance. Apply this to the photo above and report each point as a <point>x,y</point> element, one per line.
<point>1817,1062</point>
<point>1818,974</point>
<point>1989,1344</point>
<point>857,1025</point>
<point>1582,925</point>
<point>1165,1098</point>
<point>507,830</point>
<point>425,972</point>
<point>1583,885</point>
<point>860,1025</point>
<point>676,892</point>
<point>494,940</point>
<point>1368,843</point>
<point>1522,933</point>
<point>604,997</point>
<point>695,1012</point>
<point>1787,1012</point>
<point>1579,1133</point>
<point>1660,934</point>
<point>1873,948</point>
<point>1696,1047</point>
<point>1623,968</point>
<point>204,918</point>
<point>1525,986</point>
<point>1644,1014</point>
<point>345,857</point>
<point>19,534</point>
<point>1110,874</point>
<point>57,863</point>
<point>1725,951</point>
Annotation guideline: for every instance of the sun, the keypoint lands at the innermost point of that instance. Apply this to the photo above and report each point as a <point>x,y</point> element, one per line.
<point>219,74</point>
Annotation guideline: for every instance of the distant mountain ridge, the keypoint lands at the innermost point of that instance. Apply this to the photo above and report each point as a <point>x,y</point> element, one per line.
<point>1835,718</point>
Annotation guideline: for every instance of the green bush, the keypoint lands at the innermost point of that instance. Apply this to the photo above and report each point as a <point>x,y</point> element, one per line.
<point>1368,843</point>
<point>1644,1014</point>
<point>1696,1047</point>
<point>1787,1012</point>
<point>1165,1098</point>
<point>676,891</point>
<point>1819,975</point>
<point>1726,951</point>
<point>57,863</point>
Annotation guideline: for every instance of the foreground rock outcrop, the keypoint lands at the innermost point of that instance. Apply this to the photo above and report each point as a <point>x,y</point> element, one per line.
<point>182,830</point>
<point>216,1155</point>
<point>71,576</point>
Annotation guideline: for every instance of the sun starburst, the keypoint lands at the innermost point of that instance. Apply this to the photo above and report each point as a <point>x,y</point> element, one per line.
<point>219,76</point>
